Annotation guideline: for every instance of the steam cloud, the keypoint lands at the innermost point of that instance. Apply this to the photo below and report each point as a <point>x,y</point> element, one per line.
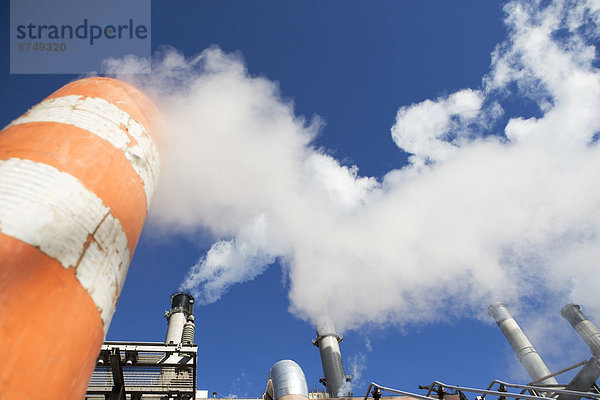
<point>485,210</point>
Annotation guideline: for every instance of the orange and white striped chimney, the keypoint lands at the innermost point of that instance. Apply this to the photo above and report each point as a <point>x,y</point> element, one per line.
<point>77,173</point>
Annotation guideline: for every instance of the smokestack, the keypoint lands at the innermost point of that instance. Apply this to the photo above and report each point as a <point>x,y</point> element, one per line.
<point>521,345</point>
<point>77,173</point>
<point>182,307</point>
<point>588,375</point>
<point>327,341</point>
<point>286,382</point>
<point>584,327</point>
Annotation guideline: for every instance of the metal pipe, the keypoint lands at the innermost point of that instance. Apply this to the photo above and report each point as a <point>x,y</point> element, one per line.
<point>327,341</point>
<point>522,347</point>
<point>286,381</point>
<point>559,372</point>
<point>513,395</point>
<point>483,392</point>
<point>187,337</point>
<point>584,327</point>
<point>182,306</point>
<point>396,391</point>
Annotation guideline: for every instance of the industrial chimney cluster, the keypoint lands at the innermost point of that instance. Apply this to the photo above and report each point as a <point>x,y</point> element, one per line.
<point>78,172</point>
<point>537,369</point>
<point>286,380</point>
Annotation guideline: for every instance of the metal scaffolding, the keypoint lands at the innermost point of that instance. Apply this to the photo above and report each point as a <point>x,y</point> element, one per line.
<point>142,370</point>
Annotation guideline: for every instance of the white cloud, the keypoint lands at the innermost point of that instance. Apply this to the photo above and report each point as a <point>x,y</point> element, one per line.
<point>425,129</point>
<point>231,261</point>
<point>475,217</point>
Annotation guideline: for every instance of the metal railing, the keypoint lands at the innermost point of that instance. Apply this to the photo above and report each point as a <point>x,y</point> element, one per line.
<point>440,388</point>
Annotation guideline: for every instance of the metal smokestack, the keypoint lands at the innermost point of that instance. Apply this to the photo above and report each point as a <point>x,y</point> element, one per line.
<point>584,327</point>
<point>182,306</point>
<point>588,375</point>
<point>327,341</point>
<point>522,347</point>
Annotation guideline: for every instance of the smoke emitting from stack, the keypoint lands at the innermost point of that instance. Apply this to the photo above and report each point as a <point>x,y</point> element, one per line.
<point>77,174</point>
<point>327,341</point>
<point>485,197</point>
<point>180,319</point>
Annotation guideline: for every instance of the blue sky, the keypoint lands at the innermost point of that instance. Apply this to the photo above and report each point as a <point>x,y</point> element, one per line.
<point>355,66</point>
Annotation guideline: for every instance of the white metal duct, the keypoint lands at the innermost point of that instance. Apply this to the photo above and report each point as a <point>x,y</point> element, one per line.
<point>286,382</point>
<point>522,347</point>
<point>584,327</point>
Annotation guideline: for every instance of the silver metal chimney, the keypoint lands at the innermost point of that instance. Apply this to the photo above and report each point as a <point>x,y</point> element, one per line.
<point>286,381</point>
<point>522,347</point>
<point>182,306</point>
<point>584,327</point>
<point>327,341</point>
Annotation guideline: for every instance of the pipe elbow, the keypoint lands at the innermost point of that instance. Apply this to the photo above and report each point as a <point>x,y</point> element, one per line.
<point>286,378</point>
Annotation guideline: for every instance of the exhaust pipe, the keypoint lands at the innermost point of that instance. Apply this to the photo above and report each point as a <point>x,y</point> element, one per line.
<point>522,347</point>
<point>327,341</point>
<point>584,327</point>
<point>182,308</point>
<point>286,381</point>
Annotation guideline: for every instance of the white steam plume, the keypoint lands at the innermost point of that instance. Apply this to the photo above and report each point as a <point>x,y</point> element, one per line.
<point>476,216</point>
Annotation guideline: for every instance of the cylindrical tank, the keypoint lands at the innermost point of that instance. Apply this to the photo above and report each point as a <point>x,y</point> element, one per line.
<point>522,347</point>
<point>77,173</point>
<point>182,306</point>
<point>584,327</point>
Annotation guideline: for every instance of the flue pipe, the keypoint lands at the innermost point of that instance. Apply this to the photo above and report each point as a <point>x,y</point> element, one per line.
<point>182,306</point>
<point>327,341</point>
<point>522,347</point>
<point>286,381</point>
<point>77,174</point>
<point>584,327</point>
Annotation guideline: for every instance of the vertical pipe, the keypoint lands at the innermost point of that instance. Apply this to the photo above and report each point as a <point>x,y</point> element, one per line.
<point>522,347</point>
<point>584,327</point>
<point>189,329</point>
<point>77,173</point>
<point>331,358</point>
<point>286,381</point>
<point>182,306</point>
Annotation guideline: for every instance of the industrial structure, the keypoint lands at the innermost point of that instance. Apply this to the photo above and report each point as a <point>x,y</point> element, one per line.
<point>327,341</point>
<point>167,371</point>
<point>142,370</point>
<point>77,174</point>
